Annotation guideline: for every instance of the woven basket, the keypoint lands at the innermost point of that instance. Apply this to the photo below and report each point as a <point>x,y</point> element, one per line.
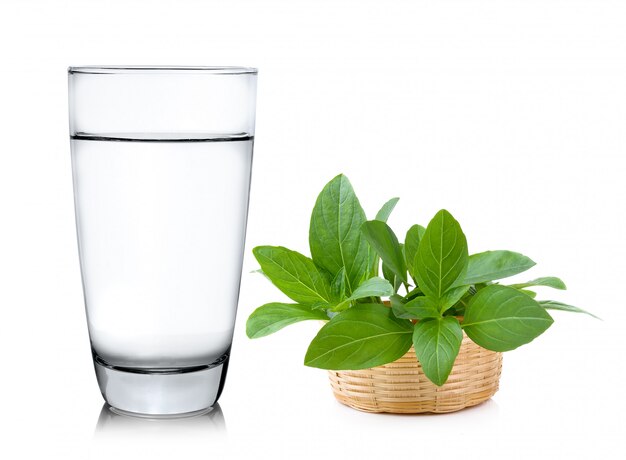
<point>402,388</point>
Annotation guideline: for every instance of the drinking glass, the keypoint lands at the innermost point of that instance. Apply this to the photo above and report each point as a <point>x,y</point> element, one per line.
<point>161,164</point>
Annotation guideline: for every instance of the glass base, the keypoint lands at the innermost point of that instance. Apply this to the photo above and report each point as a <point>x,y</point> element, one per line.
<point>145,393</point>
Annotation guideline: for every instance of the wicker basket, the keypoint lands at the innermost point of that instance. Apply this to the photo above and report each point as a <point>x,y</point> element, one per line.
<point>402,388</point>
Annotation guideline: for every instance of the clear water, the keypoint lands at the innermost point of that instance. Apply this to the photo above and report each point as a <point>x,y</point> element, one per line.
<point>161,225</point>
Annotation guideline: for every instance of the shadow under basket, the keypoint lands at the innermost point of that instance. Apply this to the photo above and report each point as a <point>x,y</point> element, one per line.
<point>401,387</point>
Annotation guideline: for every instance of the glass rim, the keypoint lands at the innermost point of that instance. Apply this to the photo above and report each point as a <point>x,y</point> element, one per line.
<point>149,69</point>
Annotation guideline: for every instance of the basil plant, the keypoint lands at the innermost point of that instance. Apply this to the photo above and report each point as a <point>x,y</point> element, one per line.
<point>446,290</point>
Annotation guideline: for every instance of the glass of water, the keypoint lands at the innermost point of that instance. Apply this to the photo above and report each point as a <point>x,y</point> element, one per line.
<point>161,162</point>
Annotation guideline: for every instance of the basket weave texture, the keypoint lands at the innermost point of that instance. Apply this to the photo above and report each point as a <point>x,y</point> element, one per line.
<point>401,387</point>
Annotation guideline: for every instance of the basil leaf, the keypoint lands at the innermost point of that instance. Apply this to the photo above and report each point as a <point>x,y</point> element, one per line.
<point>437,343</point>
<point>385,243</point>
<point>411,243</point>
<point>386,210</point>
<point>382,215</point>
<point>452,296</point>
<point>413,293</point>
<point>373,287</point>
<point>272,317</point>
<point>529,293</point>
<point>361,337</point>
<point>500,318</point>
<point>495,265</point>
<point>391,277</point>
<point>334,234</point>
<point>554,305</point>
<point>338,285</point>
<point>550,281</point>
<point>422,307</point>
<point>397,306</point>
<point>441,258</point>
<point>294,274</point>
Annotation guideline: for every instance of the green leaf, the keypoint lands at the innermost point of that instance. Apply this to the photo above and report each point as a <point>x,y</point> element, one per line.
<point>437,342</point>
<point>413,293</point>
<point>422,307</point>
<point>529,293</point>
<point>554,305</point>
<point>373,287</point>
<point>338,285</point>
<point>452,296</point>
<point>411,243</point>
<point>391,277</point>
<point>441,258</point>
<point>550,281</point>
<point>500,318</point>
<point>386,210</point>
<point>272,317</point>
<point>361,337</point>
<point>334,234</point>
<point>397,306</point>
<point>459,307</point>
<point>294,274</point>
<point>373,258</point>
<point>385,243</point>
<point>495,265</point>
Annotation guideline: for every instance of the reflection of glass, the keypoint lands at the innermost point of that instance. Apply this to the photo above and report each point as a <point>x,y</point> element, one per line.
<point>121,436</point>
<point>112,423</point>
<point>161,162</point>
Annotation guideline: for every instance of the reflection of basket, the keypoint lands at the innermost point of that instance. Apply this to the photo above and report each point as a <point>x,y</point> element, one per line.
<point>402,388</point>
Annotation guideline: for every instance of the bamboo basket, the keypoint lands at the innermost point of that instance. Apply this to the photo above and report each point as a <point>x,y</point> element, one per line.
<point>402,388</point>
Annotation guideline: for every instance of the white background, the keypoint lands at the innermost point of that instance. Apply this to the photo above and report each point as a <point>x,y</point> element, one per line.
<point>511,114</point>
